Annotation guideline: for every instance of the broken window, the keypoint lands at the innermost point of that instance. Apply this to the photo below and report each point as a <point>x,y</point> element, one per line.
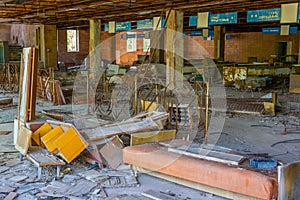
<point>72,41</point>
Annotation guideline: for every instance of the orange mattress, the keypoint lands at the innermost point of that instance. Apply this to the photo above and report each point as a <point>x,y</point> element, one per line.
<point>156,158</point>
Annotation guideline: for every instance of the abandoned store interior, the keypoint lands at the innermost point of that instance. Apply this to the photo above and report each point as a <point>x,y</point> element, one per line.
<point>141,99</point>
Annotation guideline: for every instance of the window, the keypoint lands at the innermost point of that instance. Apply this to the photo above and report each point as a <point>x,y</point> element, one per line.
<point>72,41</point>
<point>146,45</point>
<point>131,42</point>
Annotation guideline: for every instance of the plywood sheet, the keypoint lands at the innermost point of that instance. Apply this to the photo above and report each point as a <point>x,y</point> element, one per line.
<point>112,152</point>
<point>23,140</point>
<point>155,136</point>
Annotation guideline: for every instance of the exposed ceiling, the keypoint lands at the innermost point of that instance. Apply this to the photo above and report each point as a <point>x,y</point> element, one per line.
<point>76,13</point>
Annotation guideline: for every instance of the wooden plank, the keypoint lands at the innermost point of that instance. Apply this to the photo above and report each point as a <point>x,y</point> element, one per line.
<point>23,140</point>
<point>23,92</point>
<point>157,195</point>
<point>41,157</point>
<point>198,186</point>
<point>210,155</point>
<point>6,101</point>
<point>155,136</point>
<point>105,132</point>
<point>33,84</point>
<point>11,196</point>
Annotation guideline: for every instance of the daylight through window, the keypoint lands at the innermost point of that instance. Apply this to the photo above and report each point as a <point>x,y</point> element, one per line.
<point>72,41</point>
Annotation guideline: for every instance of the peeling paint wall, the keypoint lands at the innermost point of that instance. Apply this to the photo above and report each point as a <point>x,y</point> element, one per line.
<point>5,32</point>
<point>23,35</point>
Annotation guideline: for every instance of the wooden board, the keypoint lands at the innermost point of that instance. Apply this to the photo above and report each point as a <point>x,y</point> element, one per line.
<point>6,101</point>
<point>28,82</point>
<point>70,144</point>
<point>105,132</point>
<point>289,180</point>
<point>11,196</point>
<point>23,140</point>
<point>23,88</point>
<point>49,138</point>
<point>155,136</point>
<point>33,84</point>
<point>41,157</point>
<point>210,155</point>
<point>112,152</point>
<point>294,83</point>
<point>38,134</point>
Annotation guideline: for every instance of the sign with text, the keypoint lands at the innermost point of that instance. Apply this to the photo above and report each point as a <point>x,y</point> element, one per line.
<point>144,24</point>
<point>123,26</point>
<point>263,15</point>
<point>224,18</point>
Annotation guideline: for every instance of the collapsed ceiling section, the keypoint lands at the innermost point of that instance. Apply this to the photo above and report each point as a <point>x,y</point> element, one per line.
<point>76,13</point>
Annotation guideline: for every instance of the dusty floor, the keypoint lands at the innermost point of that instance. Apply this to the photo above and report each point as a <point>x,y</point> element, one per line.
<point>249,134</point>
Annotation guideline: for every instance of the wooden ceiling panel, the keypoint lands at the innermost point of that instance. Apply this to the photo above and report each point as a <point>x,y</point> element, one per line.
<point>75,13</point>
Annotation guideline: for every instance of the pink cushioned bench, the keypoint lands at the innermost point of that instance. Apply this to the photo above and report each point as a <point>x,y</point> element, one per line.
<point>221,179</point>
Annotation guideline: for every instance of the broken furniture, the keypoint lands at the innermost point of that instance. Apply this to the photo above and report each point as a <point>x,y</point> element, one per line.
<point>217,178</point>
<point>39,156</point>
<point>59,138</point>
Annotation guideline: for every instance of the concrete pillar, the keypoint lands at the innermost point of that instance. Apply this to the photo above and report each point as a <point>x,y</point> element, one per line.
<point>219,43</point>
<point>94,49</point>
<point>157,46</point>
<point>174,48</point>
<point>48,36</point>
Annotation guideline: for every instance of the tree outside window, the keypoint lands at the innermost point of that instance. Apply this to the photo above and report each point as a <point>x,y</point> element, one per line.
<point>72,41</point>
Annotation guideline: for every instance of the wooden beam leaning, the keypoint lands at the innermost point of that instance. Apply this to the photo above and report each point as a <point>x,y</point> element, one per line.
<point>28,83</point>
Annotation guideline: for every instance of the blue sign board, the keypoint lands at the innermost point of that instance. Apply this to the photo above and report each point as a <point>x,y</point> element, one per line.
<point>144,24</point>
<point>271,30</point>
<point>140,35</point>
<point>263,15</point>
<point>106,27</point>
<point>123,26</point>
<point>193,21</point>
<point>293,29</point>
<point>224,18</point>
<point>196,33</point>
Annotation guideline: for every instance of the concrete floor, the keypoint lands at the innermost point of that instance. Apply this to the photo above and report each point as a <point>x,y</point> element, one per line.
<point>243,133</point>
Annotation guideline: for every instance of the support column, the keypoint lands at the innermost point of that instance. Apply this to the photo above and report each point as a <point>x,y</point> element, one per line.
<point>49,46</point>
<point>94,49</point>
<point>157,46</point>
<point>219,42</point>
<point>113,48</point>
<point>174,48</point>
